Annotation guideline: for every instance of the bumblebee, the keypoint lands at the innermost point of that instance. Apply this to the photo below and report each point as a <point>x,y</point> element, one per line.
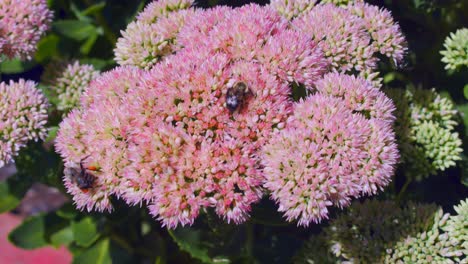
<point>237,95</point>
<point>83,178</point>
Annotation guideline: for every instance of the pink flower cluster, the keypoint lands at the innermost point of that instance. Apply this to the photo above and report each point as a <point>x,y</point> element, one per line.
<point>22,23</point>
<point>351,35</point>
<point>338,145</point>
<point>23,115</point>
<point>211,123</point>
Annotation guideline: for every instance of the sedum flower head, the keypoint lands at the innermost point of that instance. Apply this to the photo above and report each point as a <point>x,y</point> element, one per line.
<point>23,111</point>
<point>386,34</point>
<point>341,35</point>
<point>255,33</point>
<point>69,82</point>
<point>188,135</point>
<point>350,33</point>
<point>443,242</point>
<point>327,155</point>
<point>162,8</point>
<point>383,232</point>
<point>22,23</point>
<point>367,230</point>
<point>455,54</point>
<point>95,135</point>
<point>457,228</point>
<point>221,168</point>
<point>343,3</point>
<point>425,130</point>
<point>143,44</point>
<point>358,94</point>
<point>291,9</point>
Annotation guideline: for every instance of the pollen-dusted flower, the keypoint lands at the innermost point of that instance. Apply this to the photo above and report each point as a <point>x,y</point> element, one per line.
<point>144,44</point>
<point>69,82</point>
<point>325,157</point>
<point>23,115</point>
<point>341,35</point>
<point>386,34</point>
<point>425,130</point>
<point>22,23</point>
<point>455,54</point>
<point>291,9</point>
<point>162,8</point>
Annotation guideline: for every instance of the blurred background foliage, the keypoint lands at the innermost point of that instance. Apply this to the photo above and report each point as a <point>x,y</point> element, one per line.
<point>87,30</point>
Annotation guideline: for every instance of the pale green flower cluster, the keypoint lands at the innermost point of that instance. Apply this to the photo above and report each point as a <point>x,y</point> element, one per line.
<point>342,2</point>
<point>152,35</point>
<point>445,242</point>
<point>68,82</point>
<point>383,232</point>
<point>425,129</point>
<point>292,9</point>
<point>455,54</point>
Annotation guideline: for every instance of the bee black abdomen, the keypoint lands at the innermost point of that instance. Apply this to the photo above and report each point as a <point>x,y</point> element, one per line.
<point>85,181</point>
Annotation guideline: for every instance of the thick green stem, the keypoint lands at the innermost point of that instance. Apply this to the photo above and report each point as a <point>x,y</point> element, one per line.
<point>403,190</point>
<point>122,242</point>
<point>249,243</point>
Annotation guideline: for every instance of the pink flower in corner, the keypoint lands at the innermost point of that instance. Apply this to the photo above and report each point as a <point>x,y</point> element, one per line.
<point>23,22</point>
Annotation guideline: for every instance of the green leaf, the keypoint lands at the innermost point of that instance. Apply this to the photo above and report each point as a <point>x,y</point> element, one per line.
<point>99,253</point>
<point>464,113</point>
<point>62,237</point>
<point>88,44</point>
<point>30,234</point>
<point>67,211</point>
<point>85,231</point>
<point>465,91</point>
<point>78,13</point>
<point>189,240</point>
<point>12,191</point>
<point>96,8</point>
<point>75,29</point>
<point>16,66</point>
<point>47,48</point>
<point>8,201</point>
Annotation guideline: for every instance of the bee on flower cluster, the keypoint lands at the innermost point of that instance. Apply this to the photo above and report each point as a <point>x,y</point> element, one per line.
<point>82,177</point>
<point>237,95</point>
